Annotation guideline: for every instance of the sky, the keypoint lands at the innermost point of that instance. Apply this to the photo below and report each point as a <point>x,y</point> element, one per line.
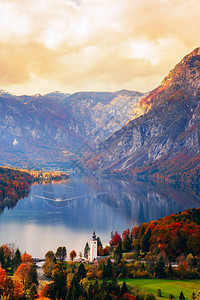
<point>93,45</point>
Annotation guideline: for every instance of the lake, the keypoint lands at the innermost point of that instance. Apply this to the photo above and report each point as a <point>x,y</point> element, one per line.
<point>65,213</point>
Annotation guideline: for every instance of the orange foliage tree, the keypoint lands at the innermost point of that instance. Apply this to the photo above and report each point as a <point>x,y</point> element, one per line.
<point>72,255</point>
<point>2,278</point>
<point>9,288</point>
<point>22,273</point>
<point>18,290</point>
<point>27,258</point>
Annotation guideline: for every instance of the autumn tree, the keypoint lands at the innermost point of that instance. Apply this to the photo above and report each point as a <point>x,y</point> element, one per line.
<point>100,251</point>
<point>8,290</point>
<point>61,253</point>
<point>57,290</point>
<point>11,290</point>
<point>32,277</point>
<point>72,255</point>
<point>27,258</point>
<point>115,239</point>
<point>190,260</point>
<point>134,232</point>
<point>50,261</point>
<point>2,278</point>
<point>5,257</point>
<point>22,273</point>
<point>50,256</point>
<point>18,289</point>
<point>125,233</point>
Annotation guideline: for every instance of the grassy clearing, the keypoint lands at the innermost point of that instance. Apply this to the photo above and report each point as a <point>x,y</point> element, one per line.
<point>167,286</point>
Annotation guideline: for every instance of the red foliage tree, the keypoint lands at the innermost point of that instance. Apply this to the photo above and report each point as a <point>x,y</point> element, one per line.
<point>125,233</point>
<point>2,278</point>
<point>134,232</point>
<point>115,239</point>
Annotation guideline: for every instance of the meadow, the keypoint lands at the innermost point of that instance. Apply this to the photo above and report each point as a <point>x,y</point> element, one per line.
<point>167,286</point>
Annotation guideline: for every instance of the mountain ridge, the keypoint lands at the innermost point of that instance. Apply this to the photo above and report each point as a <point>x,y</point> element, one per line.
<point>49,129</point>
<point>169,127</point>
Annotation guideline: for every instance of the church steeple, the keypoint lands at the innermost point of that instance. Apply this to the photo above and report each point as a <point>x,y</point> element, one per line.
<point>94,235</point>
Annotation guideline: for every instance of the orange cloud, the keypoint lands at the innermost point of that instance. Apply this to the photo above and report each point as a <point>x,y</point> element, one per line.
<point>85,44</point>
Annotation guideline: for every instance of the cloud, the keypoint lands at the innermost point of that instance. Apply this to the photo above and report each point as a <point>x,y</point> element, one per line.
<point>88,44</point>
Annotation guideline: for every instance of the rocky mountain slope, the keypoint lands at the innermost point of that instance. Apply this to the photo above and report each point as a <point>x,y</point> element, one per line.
<point>48,130</point>
<point>165,141</point>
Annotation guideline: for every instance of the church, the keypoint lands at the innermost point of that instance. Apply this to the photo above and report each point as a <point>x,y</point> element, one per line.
<point>93,248</point>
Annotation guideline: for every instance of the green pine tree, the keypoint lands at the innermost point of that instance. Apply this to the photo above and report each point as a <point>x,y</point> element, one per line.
<point>81,272</point>
<point>145,241</point>
<point>181,296</point>
<point>118,252</point>
<point>17,259</point>
<point>109,268</point>
<point>124,289</point>
<point>170,270</point>
<point>160,268</point>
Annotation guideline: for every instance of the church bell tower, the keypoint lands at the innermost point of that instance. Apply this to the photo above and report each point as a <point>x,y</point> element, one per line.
<point>93,247</point>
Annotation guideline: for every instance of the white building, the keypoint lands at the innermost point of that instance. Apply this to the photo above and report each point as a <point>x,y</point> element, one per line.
<point>93,247</point>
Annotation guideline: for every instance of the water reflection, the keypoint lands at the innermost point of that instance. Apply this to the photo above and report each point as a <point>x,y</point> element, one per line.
<point>39,222</point>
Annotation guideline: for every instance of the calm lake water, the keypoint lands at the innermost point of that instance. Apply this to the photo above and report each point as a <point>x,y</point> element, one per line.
<point>65,213</point>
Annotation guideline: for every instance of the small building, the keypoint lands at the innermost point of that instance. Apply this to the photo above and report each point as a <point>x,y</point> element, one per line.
<point>93,248</point>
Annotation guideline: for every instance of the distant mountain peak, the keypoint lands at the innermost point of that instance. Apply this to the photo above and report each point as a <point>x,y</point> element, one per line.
<point>57,94</point>
<point>3,92</point>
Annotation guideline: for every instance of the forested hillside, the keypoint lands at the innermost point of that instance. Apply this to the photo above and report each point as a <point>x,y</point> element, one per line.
<point>177,234</point>
<point>15,183</point>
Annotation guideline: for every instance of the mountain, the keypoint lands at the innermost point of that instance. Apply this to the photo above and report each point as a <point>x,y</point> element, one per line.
<point>49,130</point>
<point>164,142</point>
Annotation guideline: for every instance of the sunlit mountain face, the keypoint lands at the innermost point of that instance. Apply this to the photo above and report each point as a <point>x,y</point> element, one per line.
<point>164,142</point>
